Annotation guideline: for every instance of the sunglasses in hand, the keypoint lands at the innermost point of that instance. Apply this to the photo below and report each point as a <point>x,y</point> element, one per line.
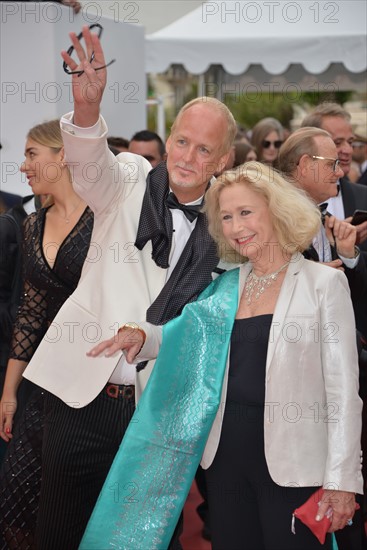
<point>71,49</point>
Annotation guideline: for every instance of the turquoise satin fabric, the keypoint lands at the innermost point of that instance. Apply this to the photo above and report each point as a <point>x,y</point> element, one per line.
<point>149,480</point>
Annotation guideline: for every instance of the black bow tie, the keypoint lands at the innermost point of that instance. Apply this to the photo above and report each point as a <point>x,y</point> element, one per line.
<point>191,211</point>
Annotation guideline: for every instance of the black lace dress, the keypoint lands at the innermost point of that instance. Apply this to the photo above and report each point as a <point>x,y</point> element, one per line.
<point>45,291</point>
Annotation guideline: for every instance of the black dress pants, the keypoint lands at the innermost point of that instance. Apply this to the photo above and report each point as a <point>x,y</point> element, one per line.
<point>247,509</point>
<point>79,446</point>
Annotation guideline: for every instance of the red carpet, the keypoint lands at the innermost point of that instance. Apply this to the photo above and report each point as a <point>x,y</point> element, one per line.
<point>191,538</point>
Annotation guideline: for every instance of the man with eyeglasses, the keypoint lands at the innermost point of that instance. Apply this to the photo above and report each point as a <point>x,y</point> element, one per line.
<point>309,158</point>
<point>337,121</point>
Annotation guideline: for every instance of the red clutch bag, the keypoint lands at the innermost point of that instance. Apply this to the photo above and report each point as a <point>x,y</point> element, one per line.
<point>308,512</point>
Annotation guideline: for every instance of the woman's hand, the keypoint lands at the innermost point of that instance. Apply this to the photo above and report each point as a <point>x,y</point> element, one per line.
<point>88,87</point>
<point>128,339</point>
<point>343,506</point>
<point>8,403</point>
<point>8,407</point>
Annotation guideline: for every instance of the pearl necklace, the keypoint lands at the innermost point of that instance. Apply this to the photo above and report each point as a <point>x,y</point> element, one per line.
<point>260,284</point>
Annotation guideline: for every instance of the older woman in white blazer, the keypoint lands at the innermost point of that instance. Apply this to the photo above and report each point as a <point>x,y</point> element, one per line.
<point>289,420</point>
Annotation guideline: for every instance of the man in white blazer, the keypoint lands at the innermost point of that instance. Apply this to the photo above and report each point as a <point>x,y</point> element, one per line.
<point>148,257</point>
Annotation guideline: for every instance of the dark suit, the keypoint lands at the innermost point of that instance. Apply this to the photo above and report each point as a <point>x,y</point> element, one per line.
<point>363,178</point>
<point>354,198</point>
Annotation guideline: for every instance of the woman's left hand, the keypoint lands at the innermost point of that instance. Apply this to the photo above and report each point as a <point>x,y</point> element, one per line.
<point>342,504</point>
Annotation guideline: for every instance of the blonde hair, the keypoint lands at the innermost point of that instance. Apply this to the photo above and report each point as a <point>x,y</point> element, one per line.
<point>219,107</point>
<point>301,142</point>
<point>296,219</point>
<point>49,135</point>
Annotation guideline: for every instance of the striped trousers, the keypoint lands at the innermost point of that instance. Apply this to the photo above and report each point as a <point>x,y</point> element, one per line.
<point>79,446</point>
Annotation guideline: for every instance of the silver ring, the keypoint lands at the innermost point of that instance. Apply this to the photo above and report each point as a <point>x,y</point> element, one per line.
<point>349,522</point>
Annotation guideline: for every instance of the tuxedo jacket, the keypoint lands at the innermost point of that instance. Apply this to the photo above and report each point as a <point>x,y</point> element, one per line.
<point>118,282</point>
<point>312,413</point>
<point>363,178</point>
<point>354,198</point>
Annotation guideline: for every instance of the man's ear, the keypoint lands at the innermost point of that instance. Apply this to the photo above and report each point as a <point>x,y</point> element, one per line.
<point>303,164</point>
<point>222,162</point>
<point>168,144</point>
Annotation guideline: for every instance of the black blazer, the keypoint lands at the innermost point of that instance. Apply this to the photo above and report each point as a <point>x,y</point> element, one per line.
<point>354,197</point>
<point>363,178</point>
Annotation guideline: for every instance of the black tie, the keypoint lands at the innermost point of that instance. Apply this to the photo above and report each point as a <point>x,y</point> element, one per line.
<point>324,212</point>
<point>191,211</point>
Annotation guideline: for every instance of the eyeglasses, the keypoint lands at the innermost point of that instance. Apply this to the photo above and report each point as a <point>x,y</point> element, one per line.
<point>71,49</point>
<point>336,162</point>
<point>266,144</point>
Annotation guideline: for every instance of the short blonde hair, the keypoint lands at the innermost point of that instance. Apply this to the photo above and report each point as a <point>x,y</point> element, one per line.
<point>296,219</point>
<point>48,134</point>
<point>215,105</point>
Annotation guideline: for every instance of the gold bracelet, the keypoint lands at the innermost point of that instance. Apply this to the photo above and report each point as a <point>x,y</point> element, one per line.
<point>134,327</point>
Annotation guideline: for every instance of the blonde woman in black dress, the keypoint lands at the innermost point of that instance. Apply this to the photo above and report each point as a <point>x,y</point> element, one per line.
<point>56,241</point>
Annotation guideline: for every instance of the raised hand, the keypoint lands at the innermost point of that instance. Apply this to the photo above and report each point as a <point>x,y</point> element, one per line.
<point>89,86</point>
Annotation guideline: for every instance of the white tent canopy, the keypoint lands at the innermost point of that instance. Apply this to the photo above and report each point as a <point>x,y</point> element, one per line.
<point>276,35</point>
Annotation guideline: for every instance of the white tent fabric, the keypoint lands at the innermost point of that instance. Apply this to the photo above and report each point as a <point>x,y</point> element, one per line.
<point>273,34</point>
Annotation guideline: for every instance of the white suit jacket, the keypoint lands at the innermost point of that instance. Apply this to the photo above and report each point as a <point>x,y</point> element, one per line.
<point>312,421</point>
<point>118,282</point>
